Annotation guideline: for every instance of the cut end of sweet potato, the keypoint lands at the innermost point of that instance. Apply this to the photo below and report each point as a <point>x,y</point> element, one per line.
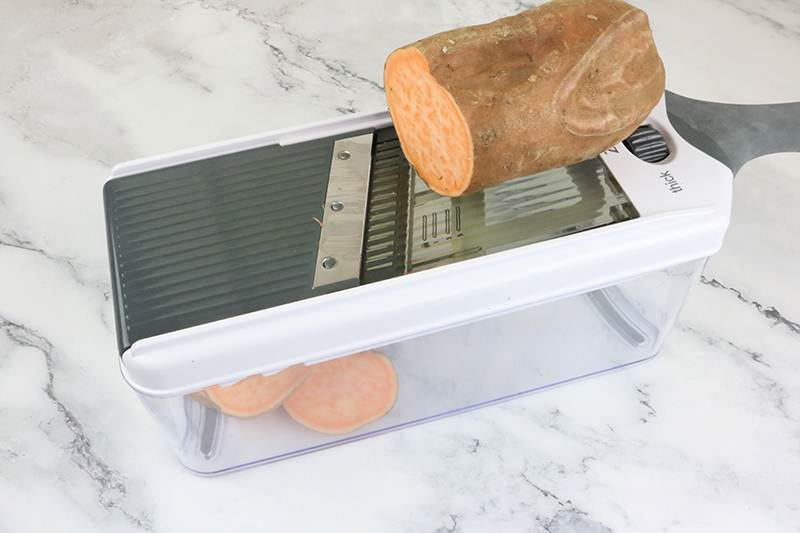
<point>431,128</point>
<point>257,394</point>
<point>342,395</point>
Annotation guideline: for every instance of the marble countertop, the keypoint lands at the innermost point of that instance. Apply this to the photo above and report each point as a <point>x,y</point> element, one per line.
<point>704,438</point>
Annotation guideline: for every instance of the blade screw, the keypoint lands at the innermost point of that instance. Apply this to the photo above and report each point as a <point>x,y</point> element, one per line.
<point>344,154</point>
<point>337,206</point>
<point>328,263</point>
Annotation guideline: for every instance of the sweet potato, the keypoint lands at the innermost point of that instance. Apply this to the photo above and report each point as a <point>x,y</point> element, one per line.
<point>552,86</point>
<point>255,395</point>
<point>341,395</point>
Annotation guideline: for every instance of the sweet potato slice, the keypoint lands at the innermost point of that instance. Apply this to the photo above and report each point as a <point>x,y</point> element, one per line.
<point>552,86</point>
<point>257,394</point>
<point>341,395</point>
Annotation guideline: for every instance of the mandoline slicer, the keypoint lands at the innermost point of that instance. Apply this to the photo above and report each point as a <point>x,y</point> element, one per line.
<point>312,243</point>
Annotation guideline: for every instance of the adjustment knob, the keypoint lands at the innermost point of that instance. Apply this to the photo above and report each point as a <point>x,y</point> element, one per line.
<point>647,144</point>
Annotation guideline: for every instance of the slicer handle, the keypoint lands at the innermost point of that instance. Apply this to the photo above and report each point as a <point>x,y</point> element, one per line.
<point>735,133</point>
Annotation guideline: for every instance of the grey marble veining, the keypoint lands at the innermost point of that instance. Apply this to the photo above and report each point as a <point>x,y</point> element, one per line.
<point>704,438</point>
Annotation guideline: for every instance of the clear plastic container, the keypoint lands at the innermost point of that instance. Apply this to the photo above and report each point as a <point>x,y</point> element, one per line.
<point>455,370</point>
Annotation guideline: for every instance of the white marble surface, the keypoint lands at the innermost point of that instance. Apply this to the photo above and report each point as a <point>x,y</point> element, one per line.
<point>705,438</point>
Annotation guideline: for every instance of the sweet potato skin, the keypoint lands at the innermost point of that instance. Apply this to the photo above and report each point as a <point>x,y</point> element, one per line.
<point>552,86</point>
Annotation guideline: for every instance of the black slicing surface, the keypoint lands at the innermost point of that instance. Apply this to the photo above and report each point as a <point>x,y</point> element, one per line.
<point>207,240</point>
<point>211,239</point>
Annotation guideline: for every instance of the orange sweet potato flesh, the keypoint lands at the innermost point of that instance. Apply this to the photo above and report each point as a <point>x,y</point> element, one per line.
<point>255,395</point>
<point>342,395</point>
<point>554,85</point>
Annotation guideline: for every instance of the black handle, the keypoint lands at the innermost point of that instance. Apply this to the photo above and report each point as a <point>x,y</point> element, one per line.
<point>735,133</point>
